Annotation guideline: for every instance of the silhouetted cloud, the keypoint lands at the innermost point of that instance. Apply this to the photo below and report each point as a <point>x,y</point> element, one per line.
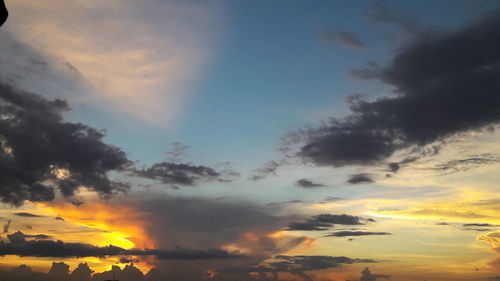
<point>444,84</point>
<point>41,152</point>
<point>177,174</point>
<point>339,219</point>
<point>308,226</point>
<point>325,221</point>
<point>305,183</point>
<point>317,262</point>
<point>355,233</point>
<point>28,215</point>
<point>366,275</point>
<point>40,247</point>
<point>460,165</point>
<point>344,38</point>
<point>360,178</point>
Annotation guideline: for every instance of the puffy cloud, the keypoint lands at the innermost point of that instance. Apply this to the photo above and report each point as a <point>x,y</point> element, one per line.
<point>41,152</point>
<point>444,85</point>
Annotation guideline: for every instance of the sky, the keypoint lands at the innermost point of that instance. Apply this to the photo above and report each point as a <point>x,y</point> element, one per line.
<point>250,140</point>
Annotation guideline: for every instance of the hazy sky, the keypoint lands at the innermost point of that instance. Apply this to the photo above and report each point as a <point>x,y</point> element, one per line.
<point>250,140</point>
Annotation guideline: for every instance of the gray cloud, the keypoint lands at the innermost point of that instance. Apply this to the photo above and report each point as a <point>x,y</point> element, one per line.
<point>36,141</point>
<point>40,247</point>
<point>360,178</point>
<point>460,165</point>
<point>28,215</point>
<point>344,38</point>
<point>355,233</point>
<point>308,226</point>
<point>444,84</point>
<point>305,183</point>
<point>325,221</point>
<point>180,174</point>
<point>317,262</point>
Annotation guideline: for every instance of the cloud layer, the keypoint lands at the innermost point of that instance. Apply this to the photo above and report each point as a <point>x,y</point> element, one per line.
<point>444,84</point>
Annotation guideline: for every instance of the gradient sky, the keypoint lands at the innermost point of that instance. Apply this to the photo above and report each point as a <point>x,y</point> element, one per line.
<point>250,140</point>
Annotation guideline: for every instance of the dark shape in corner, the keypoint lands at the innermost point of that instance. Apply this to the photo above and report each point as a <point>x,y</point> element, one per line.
<point>3,13</point>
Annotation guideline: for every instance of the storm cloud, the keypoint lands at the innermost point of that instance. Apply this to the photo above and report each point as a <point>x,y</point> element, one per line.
<point>444,84</point>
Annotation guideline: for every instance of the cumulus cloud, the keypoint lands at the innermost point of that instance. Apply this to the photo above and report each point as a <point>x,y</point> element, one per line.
<point>345,39</point>
<point>444,85</point>
<point>41,152</point>
<point>305,183</point>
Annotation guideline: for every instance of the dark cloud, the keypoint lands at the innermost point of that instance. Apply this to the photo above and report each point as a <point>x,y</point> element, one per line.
<point>268,169</point>
<point>344,38</point>
<point>460,165</point>
<point>304,263</point>
<point>305,183</point>
<point>366,275</point>
<point>40,247</point>
<point>445,84</point>
<point>355,233</point>
<point>360,178</point>
<point>59,218</point>
<point>338,219</point>
<point>325,221</point>
<point>308,226</point>
<point>383,14</point>
<point>177,174</point>
<point>28,215</point>
<point>37,144</point>
<point>478,225</point>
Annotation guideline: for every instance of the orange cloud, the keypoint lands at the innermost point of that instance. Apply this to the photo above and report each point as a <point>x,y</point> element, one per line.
<point>120,225</point>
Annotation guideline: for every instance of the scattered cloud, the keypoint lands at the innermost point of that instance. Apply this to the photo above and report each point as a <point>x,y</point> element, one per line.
<point>355,233</point>
<point>179,174</point>
<point>28,215</point>
<point>360,178</point>
<point>305,183</point>
<point>344,38</point>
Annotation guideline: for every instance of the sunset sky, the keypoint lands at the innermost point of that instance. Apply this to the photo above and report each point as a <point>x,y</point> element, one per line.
<point>250,140</point>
